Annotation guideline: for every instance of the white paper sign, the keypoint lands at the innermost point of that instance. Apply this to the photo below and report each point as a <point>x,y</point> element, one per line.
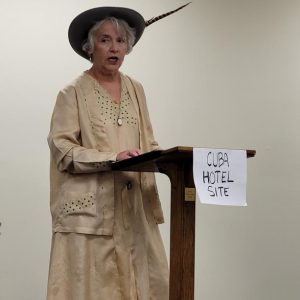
<point>220,176</point>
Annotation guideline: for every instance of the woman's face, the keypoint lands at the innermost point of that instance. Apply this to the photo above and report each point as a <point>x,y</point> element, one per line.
<point>109,49</point>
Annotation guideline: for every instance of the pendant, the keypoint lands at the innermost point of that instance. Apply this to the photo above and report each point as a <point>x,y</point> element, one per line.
<point>119,121</point>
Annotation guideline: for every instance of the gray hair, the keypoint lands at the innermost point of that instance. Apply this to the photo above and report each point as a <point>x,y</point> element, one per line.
<point>120,25</point>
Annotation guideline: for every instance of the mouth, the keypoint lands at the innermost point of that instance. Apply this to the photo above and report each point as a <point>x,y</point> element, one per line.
<point>113,59</point>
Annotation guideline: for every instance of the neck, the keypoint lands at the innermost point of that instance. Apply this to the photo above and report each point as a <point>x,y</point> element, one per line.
<point>103,75</point>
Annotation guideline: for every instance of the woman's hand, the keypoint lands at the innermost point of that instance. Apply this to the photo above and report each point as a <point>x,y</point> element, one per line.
<point>128,154</point>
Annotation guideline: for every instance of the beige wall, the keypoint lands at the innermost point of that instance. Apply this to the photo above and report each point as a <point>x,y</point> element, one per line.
<point>221,73</point>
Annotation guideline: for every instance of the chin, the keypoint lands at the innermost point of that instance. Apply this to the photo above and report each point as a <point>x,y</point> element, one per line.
<point>114,67</point>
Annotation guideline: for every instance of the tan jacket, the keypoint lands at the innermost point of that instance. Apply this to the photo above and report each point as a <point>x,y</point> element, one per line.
<point>81,185</point>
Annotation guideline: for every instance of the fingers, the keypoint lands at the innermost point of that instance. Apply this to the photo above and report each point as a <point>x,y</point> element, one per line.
<point>128,154</point>
<point>134,152</point>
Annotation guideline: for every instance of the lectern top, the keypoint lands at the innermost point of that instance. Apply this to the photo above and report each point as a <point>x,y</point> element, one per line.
<point>147,162</point>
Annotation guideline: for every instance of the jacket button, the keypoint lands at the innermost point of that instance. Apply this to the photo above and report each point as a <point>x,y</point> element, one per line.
<point>129,185</point>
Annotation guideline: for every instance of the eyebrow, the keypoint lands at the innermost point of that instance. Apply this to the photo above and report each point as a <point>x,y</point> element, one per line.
<point>104,35</point>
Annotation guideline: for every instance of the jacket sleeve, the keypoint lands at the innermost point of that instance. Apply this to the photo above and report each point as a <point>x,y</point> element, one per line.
<point>65,141</point>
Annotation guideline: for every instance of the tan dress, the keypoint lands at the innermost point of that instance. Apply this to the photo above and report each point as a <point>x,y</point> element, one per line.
<point>129,265</point>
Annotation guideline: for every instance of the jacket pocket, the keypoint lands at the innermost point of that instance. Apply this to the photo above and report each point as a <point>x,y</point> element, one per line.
<point>81,205</point>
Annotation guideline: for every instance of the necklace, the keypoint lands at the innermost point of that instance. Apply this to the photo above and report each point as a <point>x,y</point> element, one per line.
<point>119,120</point>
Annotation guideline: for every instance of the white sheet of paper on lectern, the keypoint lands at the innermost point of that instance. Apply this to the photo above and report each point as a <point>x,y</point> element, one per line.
<point>220,176</point>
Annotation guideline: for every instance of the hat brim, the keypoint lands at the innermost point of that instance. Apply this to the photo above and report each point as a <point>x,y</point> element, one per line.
<point>80,26</point>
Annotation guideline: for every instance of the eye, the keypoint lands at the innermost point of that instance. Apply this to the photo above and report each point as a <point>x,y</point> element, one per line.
<point>104,40</point>
<point>121,40</point>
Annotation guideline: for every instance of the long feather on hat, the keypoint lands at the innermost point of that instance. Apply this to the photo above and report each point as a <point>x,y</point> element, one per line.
<point>154,19</point>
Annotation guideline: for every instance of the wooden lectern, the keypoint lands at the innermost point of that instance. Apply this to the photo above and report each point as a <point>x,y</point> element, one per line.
<point>177,164</point>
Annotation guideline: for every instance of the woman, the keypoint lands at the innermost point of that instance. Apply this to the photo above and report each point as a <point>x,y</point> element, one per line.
<point>106,242</point>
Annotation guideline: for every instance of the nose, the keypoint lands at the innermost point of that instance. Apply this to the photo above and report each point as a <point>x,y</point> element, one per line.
<point>114,47</point>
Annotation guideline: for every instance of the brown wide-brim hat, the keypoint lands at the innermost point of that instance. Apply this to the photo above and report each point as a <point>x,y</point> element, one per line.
<point>80,26</point>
